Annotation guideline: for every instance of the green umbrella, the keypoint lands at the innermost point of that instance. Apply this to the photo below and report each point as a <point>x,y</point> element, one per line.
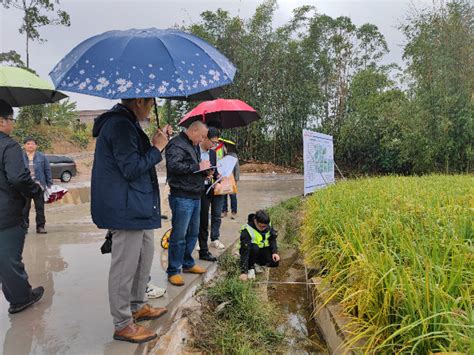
<point>19,87</point>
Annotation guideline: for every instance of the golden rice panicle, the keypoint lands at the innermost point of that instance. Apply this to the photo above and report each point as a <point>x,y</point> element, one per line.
<point>398,254</point>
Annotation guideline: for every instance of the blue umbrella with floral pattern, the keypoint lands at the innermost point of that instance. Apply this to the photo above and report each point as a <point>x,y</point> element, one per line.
<point>144,63</point>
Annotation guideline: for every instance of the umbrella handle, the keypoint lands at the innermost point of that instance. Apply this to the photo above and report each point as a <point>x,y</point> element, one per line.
<point>156,113</point>
<point>204,117</point>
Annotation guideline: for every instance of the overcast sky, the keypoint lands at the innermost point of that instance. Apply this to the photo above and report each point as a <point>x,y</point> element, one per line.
<point>89,18</point>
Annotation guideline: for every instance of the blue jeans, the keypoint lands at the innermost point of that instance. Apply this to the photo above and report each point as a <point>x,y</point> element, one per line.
<point>233,203</point>
<point>185,223</point>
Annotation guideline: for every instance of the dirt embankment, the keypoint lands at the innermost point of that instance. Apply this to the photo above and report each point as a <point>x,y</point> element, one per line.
<point>84,159</point>
<point>64,147</point>
<point>265,168</point>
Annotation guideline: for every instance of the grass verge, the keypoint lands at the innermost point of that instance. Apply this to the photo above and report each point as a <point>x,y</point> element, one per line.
<point>234,319</point>
<point>286,218</point>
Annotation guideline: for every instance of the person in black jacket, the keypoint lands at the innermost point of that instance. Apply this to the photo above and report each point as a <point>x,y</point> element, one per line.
<point>258,245</point>
<point>125,199</point>
<point>183,165</point>
<point>215,202</point>
<point>15,186</point>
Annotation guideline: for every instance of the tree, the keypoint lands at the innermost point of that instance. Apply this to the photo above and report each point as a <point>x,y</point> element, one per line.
<point>37,14</point>
<point>324,73</point>
<point>63,114</point>
<point>369,140</point>
<point>440,53</point>
<point>12,58</point>
<point>339,50</point>
<point>297,76</point>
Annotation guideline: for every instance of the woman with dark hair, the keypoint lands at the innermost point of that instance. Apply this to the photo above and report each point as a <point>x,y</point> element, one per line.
<point>230,149</point>
<point>258,245</point>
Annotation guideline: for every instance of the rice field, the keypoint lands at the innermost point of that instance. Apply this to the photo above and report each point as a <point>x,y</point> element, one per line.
<point>398,254</point>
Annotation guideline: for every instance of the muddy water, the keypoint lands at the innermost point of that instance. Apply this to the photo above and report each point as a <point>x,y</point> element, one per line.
<point>294,304</point>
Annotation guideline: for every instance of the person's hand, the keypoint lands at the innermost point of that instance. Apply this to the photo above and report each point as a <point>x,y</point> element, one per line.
<point>168,130</point>
<point>276,257</point>
<point>159,140</point>
<point>205,164</point>
<point>243,277</point>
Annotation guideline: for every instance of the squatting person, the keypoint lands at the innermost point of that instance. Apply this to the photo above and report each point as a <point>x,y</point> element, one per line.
<point>258,245</point>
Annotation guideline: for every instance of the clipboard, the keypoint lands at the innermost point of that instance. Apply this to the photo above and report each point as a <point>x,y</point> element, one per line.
<point>200,171</point>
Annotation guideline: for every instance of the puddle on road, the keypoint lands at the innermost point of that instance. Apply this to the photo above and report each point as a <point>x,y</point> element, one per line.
<point>295,304</point>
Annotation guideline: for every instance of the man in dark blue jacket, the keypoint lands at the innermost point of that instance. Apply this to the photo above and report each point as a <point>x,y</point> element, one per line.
<point>15,185</point>
<point>125,199</point>
<point>40,172</point>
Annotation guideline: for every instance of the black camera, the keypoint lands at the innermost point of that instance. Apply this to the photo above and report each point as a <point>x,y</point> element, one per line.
<point>106,248</point>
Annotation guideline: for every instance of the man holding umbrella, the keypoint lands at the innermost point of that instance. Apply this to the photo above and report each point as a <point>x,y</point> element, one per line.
<point>15,184</point>
<point>125,199</point>
<point>140,64</point>
<point>18,87</point>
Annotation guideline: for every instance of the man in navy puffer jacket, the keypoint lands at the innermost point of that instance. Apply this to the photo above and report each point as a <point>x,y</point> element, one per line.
<point>125,199</point>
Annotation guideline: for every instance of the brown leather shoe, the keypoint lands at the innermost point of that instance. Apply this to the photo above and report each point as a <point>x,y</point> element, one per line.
<point>176,280</point>
<point>148,313</point>
<point>195,270</point>
<point>135,333</point>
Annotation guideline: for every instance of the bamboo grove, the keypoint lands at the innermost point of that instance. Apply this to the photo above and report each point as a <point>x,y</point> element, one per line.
<point>326,74</point>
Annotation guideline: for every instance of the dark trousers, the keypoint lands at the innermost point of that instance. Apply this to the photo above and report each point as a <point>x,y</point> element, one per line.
<point>233,203</point>
<point>255,255</point>
<point>15,285</point>
<point>39,207</point>
<point>215,204</point>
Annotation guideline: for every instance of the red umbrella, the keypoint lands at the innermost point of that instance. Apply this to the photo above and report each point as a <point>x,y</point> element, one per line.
<point>222,113</point>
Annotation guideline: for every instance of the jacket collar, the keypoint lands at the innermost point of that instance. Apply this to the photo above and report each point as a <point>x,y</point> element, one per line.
<point>252,224</point>
<point>129,113</point>
<point>186,138</point>
<point>3,134</point>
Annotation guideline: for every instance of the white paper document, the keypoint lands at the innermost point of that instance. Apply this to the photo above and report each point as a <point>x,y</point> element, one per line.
<point>225,167</point>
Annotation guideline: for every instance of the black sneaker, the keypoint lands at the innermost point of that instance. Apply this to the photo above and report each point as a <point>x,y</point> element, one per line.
<point>35,296</point>
<point>208,257</point>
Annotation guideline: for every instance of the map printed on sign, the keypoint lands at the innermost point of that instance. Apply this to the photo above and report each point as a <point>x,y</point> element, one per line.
<point>318,154</point>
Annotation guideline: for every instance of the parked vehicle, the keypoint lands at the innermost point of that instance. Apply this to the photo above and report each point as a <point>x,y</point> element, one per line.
<point>62,167</point>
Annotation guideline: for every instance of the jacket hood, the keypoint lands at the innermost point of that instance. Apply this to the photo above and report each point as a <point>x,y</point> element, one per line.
<point>118,109</point>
